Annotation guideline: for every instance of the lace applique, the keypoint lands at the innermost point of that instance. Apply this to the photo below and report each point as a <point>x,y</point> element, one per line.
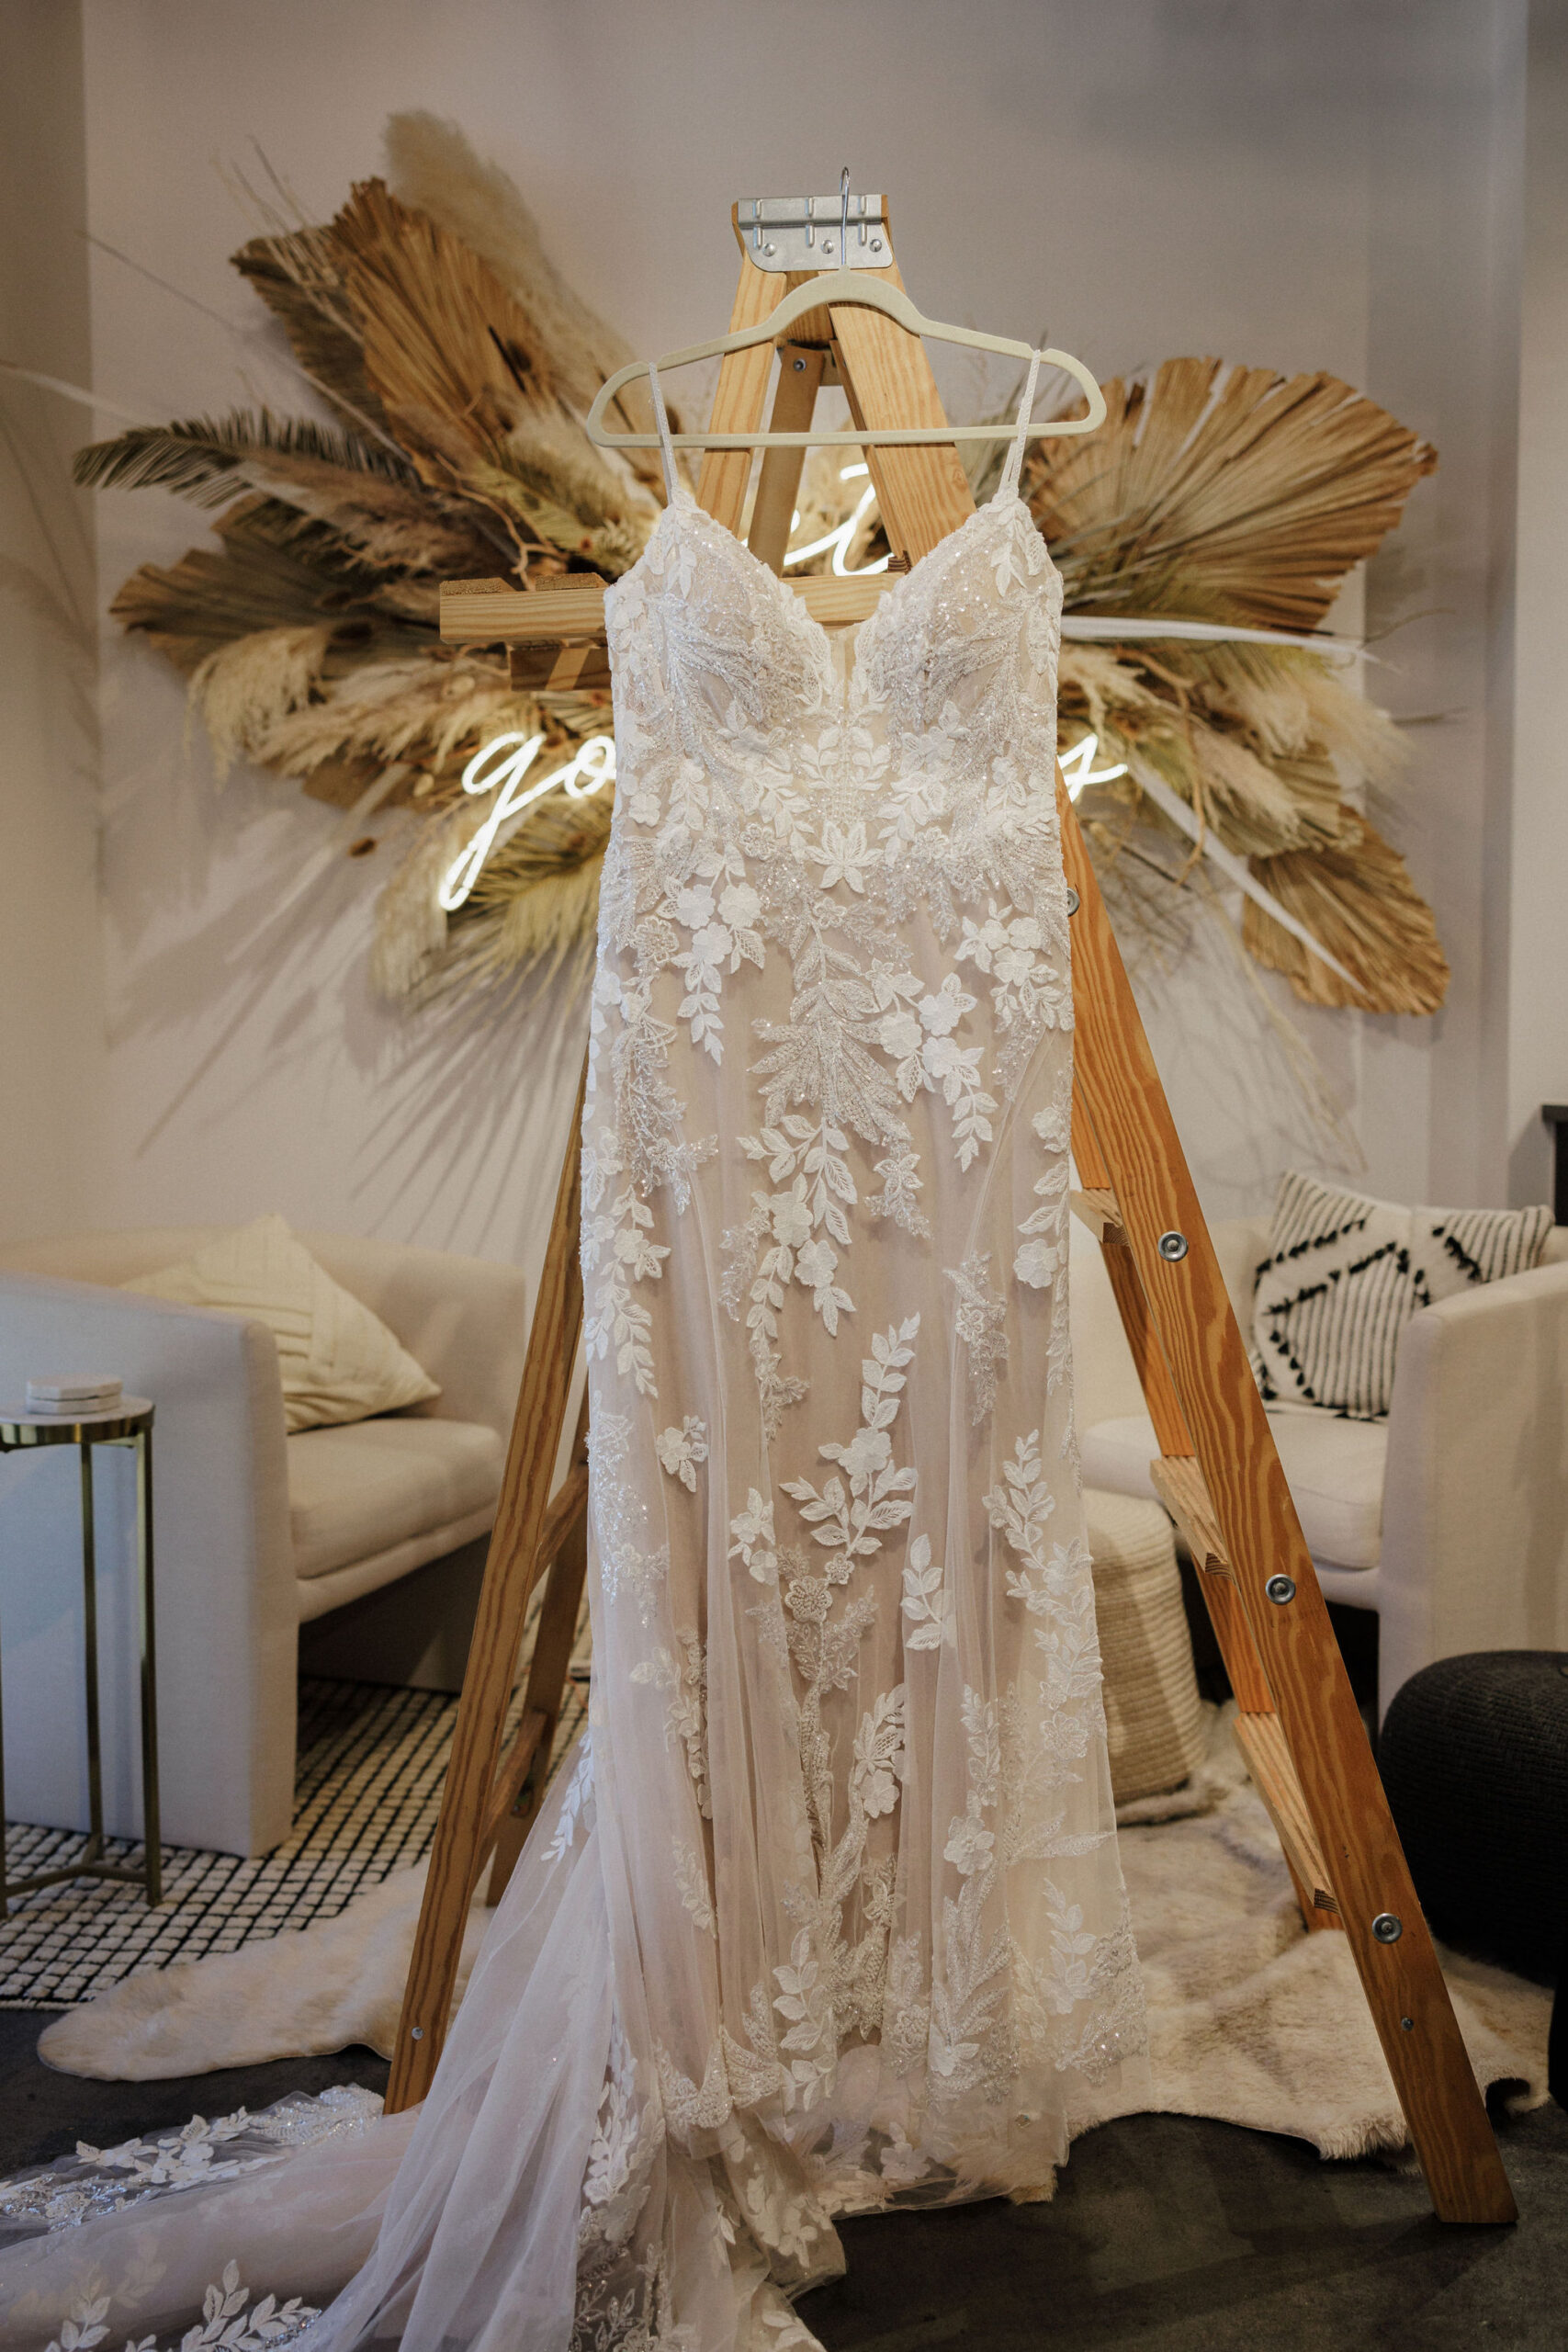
<point>626,2136</point>
<point>681,1449</point>
<point>972,2041</point>
<point>691,1885</point>
<point>689,2107</point>
<point>685,1711</point>
<point>981,1324</point>
<point>225,2322</point>
<point>754,1539</point>
<point>1055,1585</point>
<point>96,2181</point>
<point>578,1796</point>
<point>927,1607</point>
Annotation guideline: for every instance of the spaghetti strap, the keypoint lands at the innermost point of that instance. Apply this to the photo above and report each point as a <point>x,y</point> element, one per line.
<point>666,447</point>
<point>1008,486</point>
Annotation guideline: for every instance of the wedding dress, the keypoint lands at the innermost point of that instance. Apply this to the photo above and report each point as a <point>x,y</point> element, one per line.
<point>828,1913</point>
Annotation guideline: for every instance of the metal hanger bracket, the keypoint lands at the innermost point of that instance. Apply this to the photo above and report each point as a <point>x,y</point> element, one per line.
<point>801,233</point>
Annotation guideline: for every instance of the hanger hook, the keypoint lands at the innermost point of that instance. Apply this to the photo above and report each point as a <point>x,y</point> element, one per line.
<point>844,218</point>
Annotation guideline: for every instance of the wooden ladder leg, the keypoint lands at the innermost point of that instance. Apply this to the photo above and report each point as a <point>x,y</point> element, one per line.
<point>1214,1581</point>
<point>1179,1483</point>
<point>555,1637</point>
<point>1312,1750</point>
<point>511,1571</point>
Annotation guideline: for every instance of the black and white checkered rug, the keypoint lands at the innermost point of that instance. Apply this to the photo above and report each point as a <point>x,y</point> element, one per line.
<point>367,1785</point>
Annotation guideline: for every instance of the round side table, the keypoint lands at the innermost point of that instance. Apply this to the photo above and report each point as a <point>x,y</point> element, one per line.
<point>129,1423</point>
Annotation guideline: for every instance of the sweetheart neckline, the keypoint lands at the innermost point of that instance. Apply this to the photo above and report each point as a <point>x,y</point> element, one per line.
<point>793,607</point>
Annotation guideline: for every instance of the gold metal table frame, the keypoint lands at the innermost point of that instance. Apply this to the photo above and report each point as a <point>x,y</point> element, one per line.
<point>129,1424</point>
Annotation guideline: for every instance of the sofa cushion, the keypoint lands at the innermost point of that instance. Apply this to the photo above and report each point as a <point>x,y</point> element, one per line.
<point>1334,1469</point>
<point>338,1361</point>
<point>360,1487</point>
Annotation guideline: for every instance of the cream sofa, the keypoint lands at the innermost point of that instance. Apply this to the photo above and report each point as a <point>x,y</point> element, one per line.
<point>1450,1518</point>
<point>256,1532</point>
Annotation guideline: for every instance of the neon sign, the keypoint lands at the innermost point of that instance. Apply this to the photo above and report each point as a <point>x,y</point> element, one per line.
<point>504,762</point>
<point>1078,766</point>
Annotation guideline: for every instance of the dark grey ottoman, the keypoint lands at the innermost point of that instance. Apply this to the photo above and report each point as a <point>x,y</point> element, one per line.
<point>1474,1757</point>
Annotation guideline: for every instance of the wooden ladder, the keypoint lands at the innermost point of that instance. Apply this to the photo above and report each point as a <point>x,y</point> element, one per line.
<point>1218,1472</point>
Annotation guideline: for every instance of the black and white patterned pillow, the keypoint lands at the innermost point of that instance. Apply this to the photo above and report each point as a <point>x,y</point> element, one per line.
<point>1344,1275</point>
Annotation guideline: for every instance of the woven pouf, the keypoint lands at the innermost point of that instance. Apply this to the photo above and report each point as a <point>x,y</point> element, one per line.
<point>1154,1716</point>
<point>1474,1756</point>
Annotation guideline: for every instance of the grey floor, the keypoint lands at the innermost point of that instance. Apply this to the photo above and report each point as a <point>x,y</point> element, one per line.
<point>1167,2233</point>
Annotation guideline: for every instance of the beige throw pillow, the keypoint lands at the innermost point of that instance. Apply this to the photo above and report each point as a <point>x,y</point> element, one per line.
<point>339,1361</point>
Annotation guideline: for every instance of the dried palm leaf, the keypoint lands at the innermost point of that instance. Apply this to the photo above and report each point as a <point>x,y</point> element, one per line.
<point>448,351</point>
<point>298,275</point>
<point>374,499</point>
<point>1236,495</point>
<point>207,600</point>
<point>1356,898</point>
<point>208,460</point>
<point>434,170</point>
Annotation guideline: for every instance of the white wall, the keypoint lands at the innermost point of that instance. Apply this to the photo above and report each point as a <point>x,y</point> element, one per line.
<point>1538,945</point>
<point>51,1057</point>
<point>1306,186</point>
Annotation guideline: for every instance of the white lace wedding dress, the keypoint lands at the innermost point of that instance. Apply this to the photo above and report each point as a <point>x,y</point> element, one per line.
<point>828,1914</point>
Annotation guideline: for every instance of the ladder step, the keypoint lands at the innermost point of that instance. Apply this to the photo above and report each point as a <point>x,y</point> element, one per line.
<point>1179,1484</point>
<point>1096,1207</point>
<point>564,1509</point>
<point>497,612</point>
<point>510,1780</point>
<point>1262,1742</point>
<point>559,669</point>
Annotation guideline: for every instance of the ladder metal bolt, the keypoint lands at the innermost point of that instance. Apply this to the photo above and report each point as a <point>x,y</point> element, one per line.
<point>1408,2023</point>
<point>1387,1929</point>
<point>799,366</point>
<point>1281,1589</point>
<point>1172,1246</point>
<point>1072,899</point>
<point>416,2033</point>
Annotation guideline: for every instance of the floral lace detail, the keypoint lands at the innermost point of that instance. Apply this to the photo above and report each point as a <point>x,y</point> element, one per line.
<point>578,1796</point>
<point>680,1451</point>
<point>228,2323</point>
<point>686,1713</point>
<point>754,1539</point>
<point>926,1607</point>
<point>96,2181</point>
<point>981,1324</point>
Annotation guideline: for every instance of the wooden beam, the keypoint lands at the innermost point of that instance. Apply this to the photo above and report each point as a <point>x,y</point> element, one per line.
<point>741,390</point>
<point>555,1638</point>
<point>778,481</point>
<point>511,1571</point>
<point>495,611</point>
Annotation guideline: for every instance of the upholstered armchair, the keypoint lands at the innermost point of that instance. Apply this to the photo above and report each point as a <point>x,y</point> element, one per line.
<point>1450,1517</point>
<point>256,1531</point>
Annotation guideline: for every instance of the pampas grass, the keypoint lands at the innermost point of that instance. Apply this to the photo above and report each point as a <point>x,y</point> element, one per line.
<point>244,689</point>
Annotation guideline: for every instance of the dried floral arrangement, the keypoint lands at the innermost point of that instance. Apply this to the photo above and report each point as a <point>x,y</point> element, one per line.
<point>458,366</point>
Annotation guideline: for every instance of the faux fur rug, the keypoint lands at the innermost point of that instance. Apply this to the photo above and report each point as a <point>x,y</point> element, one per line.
<point>1251,2021</point>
